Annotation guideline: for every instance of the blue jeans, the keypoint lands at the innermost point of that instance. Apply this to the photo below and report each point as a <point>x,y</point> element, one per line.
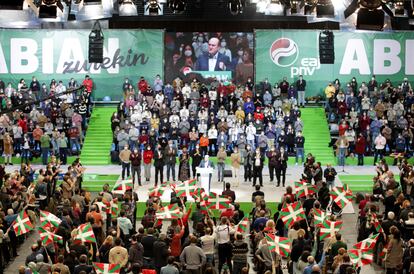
<point>300,151</point>
<point>301,97</point>
<point>341,156</point>
<point>220,169</point>
<point>45,155</point>
<point>74,142</point>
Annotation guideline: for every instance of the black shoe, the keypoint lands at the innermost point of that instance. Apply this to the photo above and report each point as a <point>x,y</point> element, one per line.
<point>278,186</point>
<point>261,185</point>
<point>253,185</point>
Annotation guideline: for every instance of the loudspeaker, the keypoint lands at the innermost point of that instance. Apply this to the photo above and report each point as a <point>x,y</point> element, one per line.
<point>326,47</point>
<point>96,49</point>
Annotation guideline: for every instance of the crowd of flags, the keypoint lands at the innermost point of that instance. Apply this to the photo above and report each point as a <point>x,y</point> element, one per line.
<point>361,253</point>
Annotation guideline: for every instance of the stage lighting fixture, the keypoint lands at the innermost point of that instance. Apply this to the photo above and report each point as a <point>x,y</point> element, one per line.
<point>325,8</point>
<point>153,7</point>
<point>127,8</point>
<point>399,9</point>
<point>236,6</point>
<point>11,4</point>
<point>48,8</point>
<point>370,14</point>
<point>261,6</point>
<point>177,6</point>
<point>275,8</point>
<point>295,6</point>
<point>310,6</point>
<point>92,2</point>
<point>96,41</point>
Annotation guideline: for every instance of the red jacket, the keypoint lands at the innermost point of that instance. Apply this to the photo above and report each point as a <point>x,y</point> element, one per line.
<point>360,145</point>
<point>258,116</point>
<point>23,124</point>
<point>88,84</point>
<point>342,128</point>
<point>176,243</point>
<point>142,86</point>
<point>148,155</point>
<point>143,139</point>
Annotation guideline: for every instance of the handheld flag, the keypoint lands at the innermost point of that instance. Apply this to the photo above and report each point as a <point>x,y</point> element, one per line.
<point>243,225</point>
<point>367,243</point>
<point>114,208</point>
<point>122,186</point>
<point>101,268</point>
<point>169,212</point>
<point>376,223</point>
<point>329,228</point>
<point>304,189</point>
<point>199,195</point>
<point>360,257</point>
<point>48,237</point>
<point>186,188</point>
<point>341,195</point>
<point>22,224</point>
<point>319,216</point>
<point>47,219</point>
<point>155,191</point>
<point>218,201</point>
<point>291,213</point>
<point>85,234</point>
<point>279,245</point>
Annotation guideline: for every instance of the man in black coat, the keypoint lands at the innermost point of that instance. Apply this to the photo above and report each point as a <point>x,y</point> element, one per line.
<point>258,160</point>
<point>159,164</point>
<point>281,165</point>
<point>161,251</point>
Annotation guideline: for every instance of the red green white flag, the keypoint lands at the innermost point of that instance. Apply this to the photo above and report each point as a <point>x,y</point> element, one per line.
<point>376,223</point>
<point>22,224</point>
<point>156,191</point>
<point>329,228</point>
<point>101,268</point>
<point>243,225</point>
<point>279,245</point>
<point>122,186</point>
<point>360,257</point>
<point>47,219</point>
<point>199,195</point>
<point>114,208</point>
<point>319,216</point>
<point>186,188</point>
<point>85,234</point>
<point>341,196</point>
<point>291,213</point>
<point>367,243</point>
<point>48,237</point>
<point>303,189</point>
<point>169,212</point>
<point>216,201</point>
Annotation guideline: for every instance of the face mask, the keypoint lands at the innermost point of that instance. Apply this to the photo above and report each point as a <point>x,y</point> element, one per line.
<point>200,39</point>
<point>240,53</point>
<point>188,53</point>
<point>223,44</point>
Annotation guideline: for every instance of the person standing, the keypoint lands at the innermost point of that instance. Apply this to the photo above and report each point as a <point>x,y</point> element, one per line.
<point>125,162</point>
<point>235,166</point>
<point>135,159</point>
<point>195,160</point>
<point>281,166</point>
<point>342,145</point>
<point>147,159</point>
<point>192,257</point>
<point>221,158</point>
<point>380,143</point>
<point>329,174</point>
<point>45,147</point>
<point>223,232</point>
<point>258,160</point>
<point>159,164</point>
<point>300,87</point>
<point>8,149</point>
<point>271,155</point>
<point>300,147</point>
<point>184,167</point>
<point>360,147</point>
<point>170,159</point>
<point>63,148</point>
<point>248,164</point>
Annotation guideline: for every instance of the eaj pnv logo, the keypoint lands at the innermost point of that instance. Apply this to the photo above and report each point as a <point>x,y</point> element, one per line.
<point>284,52</point>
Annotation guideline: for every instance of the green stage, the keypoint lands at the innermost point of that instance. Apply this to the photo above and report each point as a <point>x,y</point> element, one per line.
<point>360,183</point>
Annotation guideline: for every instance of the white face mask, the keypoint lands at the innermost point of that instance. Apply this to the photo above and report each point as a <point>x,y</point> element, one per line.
<point>240,53</point>
<point>223,44</point>
<point>188,53</point>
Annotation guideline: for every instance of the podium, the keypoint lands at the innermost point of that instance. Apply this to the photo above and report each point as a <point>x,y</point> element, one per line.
<point>205,174</point>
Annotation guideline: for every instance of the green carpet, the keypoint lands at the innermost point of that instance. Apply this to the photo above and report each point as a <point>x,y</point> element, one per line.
<point>359,183</point>
<point>94,182</point>
<point>97,146</point>
<point>317,136</point>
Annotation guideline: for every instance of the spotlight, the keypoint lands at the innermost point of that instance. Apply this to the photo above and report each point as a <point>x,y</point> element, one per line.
<point>370,15</point>
<point>295,6</point>
<point>153,7</point>
<point>177,6</point>
<point>325,8</point>
<point>48,8</point>
<point>310,6</point>
<point>261,6</point>
<point>399,9</point>
<point>127,8</point>
<point>236,6</point>
<point>275,8</point>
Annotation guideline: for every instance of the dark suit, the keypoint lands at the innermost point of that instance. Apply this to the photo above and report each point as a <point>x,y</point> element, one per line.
<point>281,165</point>
<point>202,62</point>
<point>159,165</point>
<point>257,169</point>
<point>170,159</point>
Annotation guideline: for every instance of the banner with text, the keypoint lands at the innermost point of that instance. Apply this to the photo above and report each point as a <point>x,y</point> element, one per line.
<point>63,54</point>
<point>292,53</point>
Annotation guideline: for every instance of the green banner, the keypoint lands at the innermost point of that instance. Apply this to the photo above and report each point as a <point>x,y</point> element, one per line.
<point>63,54</point>
<point>292,53</point>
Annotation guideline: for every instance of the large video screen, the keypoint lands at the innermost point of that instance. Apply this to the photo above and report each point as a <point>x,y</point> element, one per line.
<point>209,55</point>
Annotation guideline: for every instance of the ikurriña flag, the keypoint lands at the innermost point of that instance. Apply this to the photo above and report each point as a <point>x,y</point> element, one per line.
<point>22,224</point>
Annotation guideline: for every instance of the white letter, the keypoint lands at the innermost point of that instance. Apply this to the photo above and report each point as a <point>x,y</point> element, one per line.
<point>3,65</point>
<point>294,71</point>
<point>47,55</point>
<point>355,47</point>
<point>72,54</point>
<point>23,49</point>
<point>409,57</point>
<point>393,64</point>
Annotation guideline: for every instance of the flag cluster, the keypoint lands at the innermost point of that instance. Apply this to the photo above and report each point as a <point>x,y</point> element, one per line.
<point>304,189</point>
